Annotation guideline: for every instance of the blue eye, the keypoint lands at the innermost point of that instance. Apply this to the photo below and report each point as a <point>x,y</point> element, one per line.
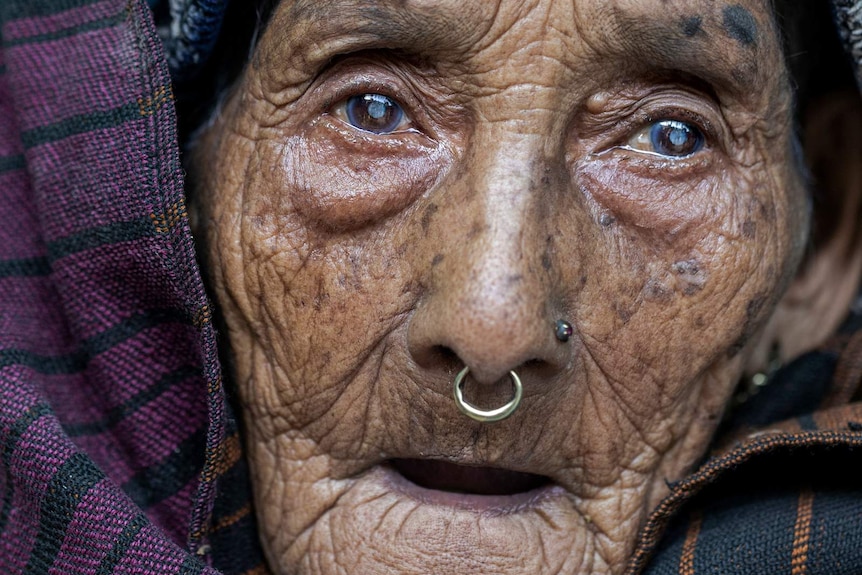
<point>374,113</point>
<point>675,138</point>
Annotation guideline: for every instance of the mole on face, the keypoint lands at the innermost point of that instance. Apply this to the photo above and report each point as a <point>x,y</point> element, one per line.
<point>740,25</point>
<point>691,26</point>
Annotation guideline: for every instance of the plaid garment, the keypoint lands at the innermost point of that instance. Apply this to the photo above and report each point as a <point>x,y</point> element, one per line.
<point>118,449</point>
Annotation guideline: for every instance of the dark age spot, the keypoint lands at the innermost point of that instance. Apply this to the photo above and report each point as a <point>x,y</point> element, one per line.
<point>436,260</point>
<point>655,290</point>
<point>752,310</point>
<point>689,267</point>
<point>624,314</point>
<point>748,228</point>
<point>752,313</point>
<point>691,278</point>
<point>427,215</point>
<point>546,262</point>
<point>740,25</point>
<point>691,26</point>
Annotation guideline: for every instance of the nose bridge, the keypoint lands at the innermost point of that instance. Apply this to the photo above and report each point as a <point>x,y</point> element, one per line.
<point>491,305</point>
<point>502,277</point>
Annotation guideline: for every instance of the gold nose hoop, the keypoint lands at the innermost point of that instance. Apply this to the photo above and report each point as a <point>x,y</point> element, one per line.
<point>491,415</point>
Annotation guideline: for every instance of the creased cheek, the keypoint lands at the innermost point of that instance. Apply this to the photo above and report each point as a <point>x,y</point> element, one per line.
<point>655,196</point>
<point>343,186</point>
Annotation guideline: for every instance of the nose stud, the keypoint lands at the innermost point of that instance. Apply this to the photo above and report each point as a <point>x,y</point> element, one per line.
<point>492,415</point>
<point>563,330</point>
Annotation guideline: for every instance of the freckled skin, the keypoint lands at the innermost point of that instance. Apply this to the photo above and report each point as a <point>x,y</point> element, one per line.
<point>357,273</point>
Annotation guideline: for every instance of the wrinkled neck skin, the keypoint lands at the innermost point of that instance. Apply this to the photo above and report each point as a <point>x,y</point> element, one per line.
<point>624,165</point>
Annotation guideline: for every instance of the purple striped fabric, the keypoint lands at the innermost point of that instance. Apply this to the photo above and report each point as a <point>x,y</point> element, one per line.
<point>118,453</point>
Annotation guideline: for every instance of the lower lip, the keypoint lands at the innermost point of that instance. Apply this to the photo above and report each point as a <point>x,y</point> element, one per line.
<point>484,504</point>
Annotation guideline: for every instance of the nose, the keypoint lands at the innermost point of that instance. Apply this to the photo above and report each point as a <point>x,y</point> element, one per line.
<point>491,302</point>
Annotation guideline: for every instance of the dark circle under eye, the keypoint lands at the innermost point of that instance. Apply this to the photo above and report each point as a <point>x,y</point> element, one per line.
<point>675,138</point>
<point>374,113</point>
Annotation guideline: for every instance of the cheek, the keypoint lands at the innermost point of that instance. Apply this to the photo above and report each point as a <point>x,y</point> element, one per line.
<point>314,304</point>
<point>692,265</point>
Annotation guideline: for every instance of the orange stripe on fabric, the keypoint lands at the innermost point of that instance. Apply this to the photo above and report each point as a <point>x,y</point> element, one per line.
<point>232,518</point>
<point>227,454</point>
<point>801,534</point>
<point>686,559</point>
<point>151,105</point>
<point>170,218</point>
<point>259,570</point>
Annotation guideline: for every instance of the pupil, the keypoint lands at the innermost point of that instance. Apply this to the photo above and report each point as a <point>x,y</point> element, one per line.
<point>677,137</point>
<point>376,108</point>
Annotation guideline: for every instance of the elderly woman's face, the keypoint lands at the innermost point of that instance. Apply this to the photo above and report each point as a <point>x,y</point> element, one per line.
<point>400,189</point>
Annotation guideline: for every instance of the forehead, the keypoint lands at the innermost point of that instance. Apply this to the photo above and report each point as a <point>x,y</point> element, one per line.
<point>734,44</point>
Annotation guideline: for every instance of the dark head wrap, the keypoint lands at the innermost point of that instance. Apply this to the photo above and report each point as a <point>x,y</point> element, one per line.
<point>848,14</point>
<point>189,30</point>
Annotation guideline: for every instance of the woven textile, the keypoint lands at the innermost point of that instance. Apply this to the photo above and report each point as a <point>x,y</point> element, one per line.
<point>117,452</point>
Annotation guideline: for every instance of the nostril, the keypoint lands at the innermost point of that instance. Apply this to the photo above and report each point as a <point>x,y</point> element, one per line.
<point>438,356</point>
<point>445,354</point>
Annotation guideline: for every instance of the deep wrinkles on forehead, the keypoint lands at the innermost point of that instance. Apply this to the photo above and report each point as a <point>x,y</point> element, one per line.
<point>313,31</point>
<point>724,44</point>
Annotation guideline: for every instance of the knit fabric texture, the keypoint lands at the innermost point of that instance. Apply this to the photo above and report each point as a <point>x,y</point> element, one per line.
<point>119,452</point>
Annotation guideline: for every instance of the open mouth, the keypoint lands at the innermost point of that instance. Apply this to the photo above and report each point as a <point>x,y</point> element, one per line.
<point>464,479</point>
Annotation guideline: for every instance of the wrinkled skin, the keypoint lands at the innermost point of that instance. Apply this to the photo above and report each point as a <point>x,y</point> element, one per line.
<point>359,272</point>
